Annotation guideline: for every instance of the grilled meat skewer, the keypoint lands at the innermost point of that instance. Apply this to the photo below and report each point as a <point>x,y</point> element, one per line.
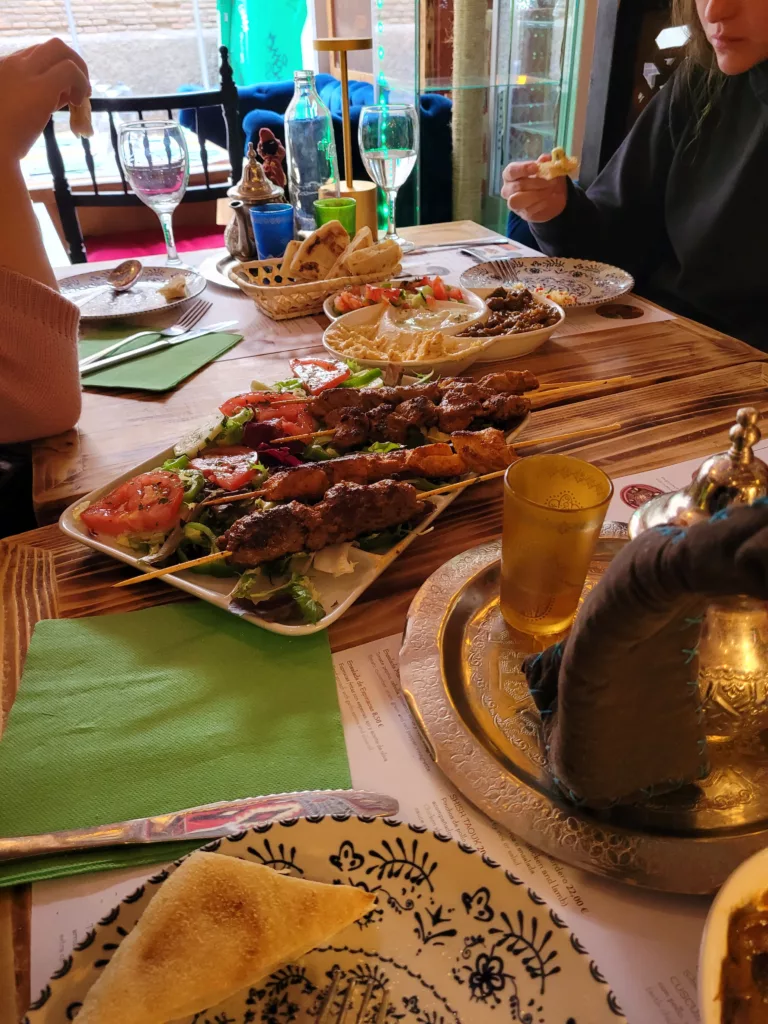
<point>347,511</point>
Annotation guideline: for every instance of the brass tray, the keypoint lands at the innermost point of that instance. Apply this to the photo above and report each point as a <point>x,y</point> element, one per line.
<point>460,673</point>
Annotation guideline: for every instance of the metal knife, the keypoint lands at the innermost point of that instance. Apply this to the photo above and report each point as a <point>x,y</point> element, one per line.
<point>211,821</point>
<point>124,357</point>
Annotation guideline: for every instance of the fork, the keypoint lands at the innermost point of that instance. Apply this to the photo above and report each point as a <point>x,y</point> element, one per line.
<point>503,269</point>
<point>327,1014</point>
<point>191,316</point>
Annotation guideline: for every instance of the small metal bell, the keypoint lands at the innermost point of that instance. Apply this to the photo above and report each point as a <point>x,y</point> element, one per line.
<point>254,187</point>
<point>735,477</point>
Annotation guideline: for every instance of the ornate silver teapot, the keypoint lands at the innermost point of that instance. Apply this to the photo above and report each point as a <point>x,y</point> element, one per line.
<point>733,646</point>
<point>253,189</point>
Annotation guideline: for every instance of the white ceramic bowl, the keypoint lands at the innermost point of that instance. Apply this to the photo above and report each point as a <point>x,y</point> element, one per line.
<point>479,308</point>
<point>450,365</point>
<point>747,882</point>
<point>510,346</point>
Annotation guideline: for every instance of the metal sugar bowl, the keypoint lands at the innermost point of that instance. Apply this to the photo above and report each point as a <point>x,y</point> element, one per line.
<point>253,189</point>
<point>733,647</point>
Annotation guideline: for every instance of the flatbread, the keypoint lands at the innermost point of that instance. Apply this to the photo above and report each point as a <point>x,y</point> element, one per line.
<point>216,926</point>
<point>290,254</point>
<point>80,119</point>
<point>318,253</point>
<point>559,166</point>
<point>362,240</point>
<point>381,258</point>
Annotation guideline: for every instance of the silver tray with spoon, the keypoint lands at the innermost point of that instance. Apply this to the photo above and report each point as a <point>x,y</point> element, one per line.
<point>107,303</point>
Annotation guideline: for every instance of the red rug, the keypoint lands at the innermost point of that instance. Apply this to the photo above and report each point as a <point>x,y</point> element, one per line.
<point>189,238</point>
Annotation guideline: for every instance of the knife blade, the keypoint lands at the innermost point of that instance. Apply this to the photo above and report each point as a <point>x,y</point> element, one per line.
<point>124,357</point>
<point>210,821</point>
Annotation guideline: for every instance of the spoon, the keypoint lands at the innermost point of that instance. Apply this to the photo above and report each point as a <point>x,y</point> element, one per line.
<point>119,279</point>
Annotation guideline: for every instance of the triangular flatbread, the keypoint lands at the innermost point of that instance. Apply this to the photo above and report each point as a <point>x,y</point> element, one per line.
<point>362,240</point>
<point>559,166</point>
<point>217,925</point>
<point>381,258</point>
<point>319,251</point>
<point>288,257</point>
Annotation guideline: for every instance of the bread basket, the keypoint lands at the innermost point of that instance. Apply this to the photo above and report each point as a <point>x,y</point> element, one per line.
<point>282,296</point>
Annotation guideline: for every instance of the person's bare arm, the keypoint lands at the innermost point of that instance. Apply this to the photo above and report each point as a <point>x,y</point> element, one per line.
<point>33,84</point>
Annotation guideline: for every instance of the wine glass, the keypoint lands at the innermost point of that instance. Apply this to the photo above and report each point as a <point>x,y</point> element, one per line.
<point>389,144</point>
<point>156,163</point>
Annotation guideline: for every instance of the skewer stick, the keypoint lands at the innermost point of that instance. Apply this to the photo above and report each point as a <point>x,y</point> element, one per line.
<point>303,437</point>
<point>559,394</point>
<point>570,436</point>
<point>217,556</point>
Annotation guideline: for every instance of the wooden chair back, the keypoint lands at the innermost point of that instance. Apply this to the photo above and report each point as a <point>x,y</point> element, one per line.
<point>67,200</point>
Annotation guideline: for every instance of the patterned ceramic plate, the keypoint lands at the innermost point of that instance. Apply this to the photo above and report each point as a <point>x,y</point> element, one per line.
<point>590,283</point>
<point>453,937</point>
<point>144,297</point>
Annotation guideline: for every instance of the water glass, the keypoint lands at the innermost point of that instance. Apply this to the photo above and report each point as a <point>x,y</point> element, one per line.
<point>342,210</point>
<point>272,228</point>
<point>155,162</point>
<point>554,507</point>
<point>389,144</point>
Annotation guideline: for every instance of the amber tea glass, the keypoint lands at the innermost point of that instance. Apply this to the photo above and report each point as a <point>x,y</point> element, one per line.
<point>554,507</point>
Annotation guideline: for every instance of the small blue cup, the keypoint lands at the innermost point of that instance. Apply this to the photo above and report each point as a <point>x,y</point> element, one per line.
<point>272,228</point>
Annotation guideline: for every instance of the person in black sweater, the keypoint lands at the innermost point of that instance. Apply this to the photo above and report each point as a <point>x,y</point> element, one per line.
<point>683,204</point>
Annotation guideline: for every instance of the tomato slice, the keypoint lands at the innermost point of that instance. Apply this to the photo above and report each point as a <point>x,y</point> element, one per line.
<point>318,374</point>
<point>454,294</point>
<point>439,289</point>
<point>228,471</point>
<point>148,503</point>
<point>252,399</point>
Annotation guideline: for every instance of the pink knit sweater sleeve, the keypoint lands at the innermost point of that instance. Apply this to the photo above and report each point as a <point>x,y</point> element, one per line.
<point>39,378</point>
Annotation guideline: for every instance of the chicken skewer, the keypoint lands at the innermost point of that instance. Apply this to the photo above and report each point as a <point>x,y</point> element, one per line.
<point>475,452</point>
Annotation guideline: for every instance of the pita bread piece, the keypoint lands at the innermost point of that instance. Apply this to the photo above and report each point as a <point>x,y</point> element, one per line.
<point>289,255</point>
<point>381,258</point>
<point>318,253</point>
<point>362,240</point>
<point>559,166</point>
<point>80,119</point>
<point>217,925</point>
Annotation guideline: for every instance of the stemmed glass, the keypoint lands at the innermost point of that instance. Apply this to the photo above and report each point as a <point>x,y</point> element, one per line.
<point>156,164</point>
<point>389,144</point>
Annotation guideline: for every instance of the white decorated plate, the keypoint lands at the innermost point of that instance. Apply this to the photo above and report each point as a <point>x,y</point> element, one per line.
<point>589,282</point>
<point>452,939</point>
<point>143,297</point>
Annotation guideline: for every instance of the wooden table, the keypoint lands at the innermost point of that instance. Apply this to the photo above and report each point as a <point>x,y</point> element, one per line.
<point>688,383</point>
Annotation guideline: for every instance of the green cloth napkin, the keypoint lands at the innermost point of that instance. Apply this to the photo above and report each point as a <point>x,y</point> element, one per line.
<point>125,716</point>
<point>158,371</point>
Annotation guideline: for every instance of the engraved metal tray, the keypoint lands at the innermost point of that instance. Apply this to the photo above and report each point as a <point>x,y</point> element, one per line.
<point>460,671</point>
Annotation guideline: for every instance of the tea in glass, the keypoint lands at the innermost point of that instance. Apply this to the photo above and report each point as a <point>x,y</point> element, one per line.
<point>554,507</point>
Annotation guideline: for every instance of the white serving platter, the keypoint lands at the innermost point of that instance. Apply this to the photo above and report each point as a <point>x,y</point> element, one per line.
<point>341,591</point>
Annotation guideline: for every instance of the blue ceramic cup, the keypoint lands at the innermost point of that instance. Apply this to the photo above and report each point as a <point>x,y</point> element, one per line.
<point>272,228</point>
